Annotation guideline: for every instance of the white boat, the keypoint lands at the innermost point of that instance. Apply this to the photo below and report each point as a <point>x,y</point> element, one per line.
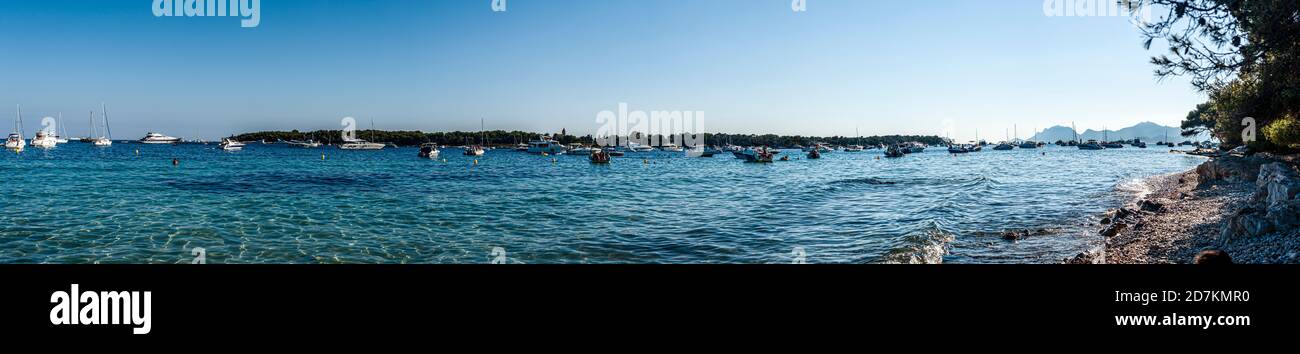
<point>15,140</point>
<point>545,146</point>
<point>358,144</point>
<point>61,136</point>
<point>635,147</point>
<point>231,145</point>
<point>670,147</point>
<point>429,151</point>
<point>44,140</point>
<point>579,150</point>
<point>309,144</point>
<point>474,150</point>
<point>156,138</point>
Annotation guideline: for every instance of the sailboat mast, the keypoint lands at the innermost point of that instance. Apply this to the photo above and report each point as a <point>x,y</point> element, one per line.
<point>94,129</point>
<point>107,131</point>
<point>20,120</point>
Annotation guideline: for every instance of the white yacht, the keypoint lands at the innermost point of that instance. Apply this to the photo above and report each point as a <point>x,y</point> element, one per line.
<point>545,146</point>
<point>155,138</point>
<point>44,140</point>
<point>358,144</point>
<point>635,147</point>
<point>231,145</point>
<point>670,147</point>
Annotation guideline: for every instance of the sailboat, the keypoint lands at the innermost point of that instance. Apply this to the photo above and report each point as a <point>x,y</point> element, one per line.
<point>858,147</point>
<point>477,150</point>
<point>358,144</point>
<point>105,140</point>
<point>61,135</point>
<point>1105,140</point>
<point>1005,145</point>
<point>15,141</point>
<point>1090,145</point>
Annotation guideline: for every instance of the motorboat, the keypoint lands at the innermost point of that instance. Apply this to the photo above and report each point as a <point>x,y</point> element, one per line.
<point>1091,145</point>
<point>635,147</point>
<point>958,149</point>
<point>545,146</point>
<point>758,155</point>
<point>615,152</point>
<point>670,147</point>
<point>44,140</point>
<point>579,150</point>
<point>1028,145</point>
<point>814,154</point>
<point>429,151</point>
<point>1003,147</point>
<point>895,151</point>
<point>854,148</point>
<point>231,145</point>
<point>156,138</point>
<point>474,150</point>
<point>599,156</point>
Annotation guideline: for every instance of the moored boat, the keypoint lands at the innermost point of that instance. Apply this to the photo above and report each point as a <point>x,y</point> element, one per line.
<point>231,145</point>
<point>429,151</point>
<point>156,138</point>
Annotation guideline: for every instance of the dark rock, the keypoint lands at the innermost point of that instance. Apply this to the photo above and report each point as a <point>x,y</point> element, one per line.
<point>1213,257</point>
<point>1122,214</point>
<point>1090,257</point>
<point>1150,206</point>
<point>1105,221</point>
<point>1014,235</point>
<point>1114,229</point>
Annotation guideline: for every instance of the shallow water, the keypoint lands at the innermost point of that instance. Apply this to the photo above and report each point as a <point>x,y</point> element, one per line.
<point>274,204</point>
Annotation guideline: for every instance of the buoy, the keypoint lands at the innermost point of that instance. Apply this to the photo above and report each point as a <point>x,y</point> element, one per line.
<point>475,161</point>
<point>322,157</point>
<point>137,152</point>
<point>176,162</point>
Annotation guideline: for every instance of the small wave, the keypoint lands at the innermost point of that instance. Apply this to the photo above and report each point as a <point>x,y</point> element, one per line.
<point>868,180</point>
<point>927,246</point>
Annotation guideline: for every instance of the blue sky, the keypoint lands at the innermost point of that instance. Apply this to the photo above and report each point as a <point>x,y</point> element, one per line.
<point>753,66</point>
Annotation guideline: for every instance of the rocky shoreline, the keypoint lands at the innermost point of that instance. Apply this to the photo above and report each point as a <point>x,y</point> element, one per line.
<point>1234,209</point>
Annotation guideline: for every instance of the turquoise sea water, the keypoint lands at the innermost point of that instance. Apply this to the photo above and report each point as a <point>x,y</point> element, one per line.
<point>275,204</point>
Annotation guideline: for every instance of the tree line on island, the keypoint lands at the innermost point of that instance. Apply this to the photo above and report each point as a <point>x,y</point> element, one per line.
<point>1245,55</point>
<point>511,138</point>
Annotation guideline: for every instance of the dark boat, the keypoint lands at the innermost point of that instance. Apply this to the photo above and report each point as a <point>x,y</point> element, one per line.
<point>599,157</point>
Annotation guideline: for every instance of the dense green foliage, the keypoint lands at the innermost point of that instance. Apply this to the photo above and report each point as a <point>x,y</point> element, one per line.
<point>1245,54</point>
<point>504,138</point>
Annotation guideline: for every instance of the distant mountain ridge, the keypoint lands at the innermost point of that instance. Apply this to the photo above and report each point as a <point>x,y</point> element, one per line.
<point>1145,131</point>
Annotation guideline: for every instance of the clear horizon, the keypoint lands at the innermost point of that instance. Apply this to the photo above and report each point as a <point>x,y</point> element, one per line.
<point>946,68</point>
